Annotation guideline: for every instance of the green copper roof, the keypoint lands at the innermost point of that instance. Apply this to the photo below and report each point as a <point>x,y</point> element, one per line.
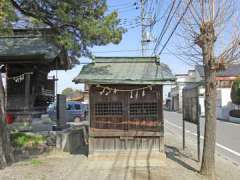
<point>125,59</point>
<point>125,70</point>
<point>24,47</point>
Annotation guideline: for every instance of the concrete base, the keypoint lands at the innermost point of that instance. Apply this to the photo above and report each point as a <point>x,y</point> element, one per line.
<point>73,141</point>
<point>116,144</point>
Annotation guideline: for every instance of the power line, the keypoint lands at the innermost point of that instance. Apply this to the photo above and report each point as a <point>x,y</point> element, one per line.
<point>175,28</point>
<point>168,25</point>
<point>146,23</point>
<point>128,7</point>
<point>135,50</point>
<point>130,22</point>
<point>150,8</point>
<point>156,9</point>
<point>133,27</point>
<point>138,50</point>
<point>131,6</point>
<point>142,27</point>
<point>129,50</point>
<point>179,58</point>
<point>150,14</point>
<point>127,10</point>
<point>123,4</point>
<point>157,13</point>
<point>164,29</point>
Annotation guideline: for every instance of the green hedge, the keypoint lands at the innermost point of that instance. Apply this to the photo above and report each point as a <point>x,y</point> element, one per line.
<point>235,113</point>
<point>235,92</point>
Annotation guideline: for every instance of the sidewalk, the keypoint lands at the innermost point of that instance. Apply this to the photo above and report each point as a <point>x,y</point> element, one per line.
<point>178,165</point>
<point>225,169</point>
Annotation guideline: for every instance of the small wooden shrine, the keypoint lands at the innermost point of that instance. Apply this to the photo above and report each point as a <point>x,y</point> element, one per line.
<point>125,102</point>
<point>27,57</point>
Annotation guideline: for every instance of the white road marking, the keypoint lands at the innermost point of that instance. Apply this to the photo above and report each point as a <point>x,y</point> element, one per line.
<point>228,149</point>
<point>217,144</point>
<point>173,124</point>
<point>171,131</point>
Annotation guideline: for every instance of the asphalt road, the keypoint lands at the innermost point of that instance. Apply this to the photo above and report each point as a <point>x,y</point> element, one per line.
<point>228,134</point>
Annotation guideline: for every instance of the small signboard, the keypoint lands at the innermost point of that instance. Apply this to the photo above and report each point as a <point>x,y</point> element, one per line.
<point>191,104</point>
<point>191,111</point>
<point>61,107</point>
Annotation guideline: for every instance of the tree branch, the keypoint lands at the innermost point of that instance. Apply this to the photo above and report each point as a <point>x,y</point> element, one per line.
<point>31,14</point>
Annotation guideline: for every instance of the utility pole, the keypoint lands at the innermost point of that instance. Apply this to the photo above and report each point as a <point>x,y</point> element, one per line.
<point>146,21</point>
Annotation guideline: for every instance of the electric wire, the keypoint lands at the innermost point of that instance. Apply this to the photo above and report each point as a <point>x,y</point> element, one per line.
<point>129,50</point>
<point>127,10</point>
<point>175,28</point>
<point>121,5</point>
<point>169,23</point>
<point>164,26</point>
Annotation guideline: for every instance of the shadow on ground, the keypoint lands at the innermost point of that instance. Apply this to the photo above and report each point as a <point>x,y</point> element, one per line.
<point>174,154</point>
<point>84,150</point>
<point>29,153</point>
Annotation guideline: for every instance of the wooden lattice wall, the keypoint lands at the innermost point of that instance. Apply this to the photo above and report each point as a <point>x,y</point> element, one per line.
<point>115,118</point>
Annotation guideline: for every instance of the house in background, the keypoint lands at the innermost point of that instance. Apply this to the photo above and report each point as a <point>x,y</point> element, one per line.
<point>192,78</point>
<point>27,57</point>
<point>81,96</point>
<point>176,92</point>
<point>224,83</point>
<point>224,80</point>
<point>126,103</point>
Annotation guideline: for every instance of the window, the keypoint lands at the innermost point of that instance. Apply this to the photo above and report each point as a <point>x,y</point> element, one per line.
<point>144,117</point>
<point>143,109</point>
<point>77,106</point>
<point>224,84</point>
<point>69,107</point>
<point>103,109</point>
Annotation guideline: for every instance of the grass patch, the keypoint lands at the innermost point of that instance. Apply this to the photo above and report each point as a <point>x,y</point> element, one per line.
<point>22,140</point>
<point>36,162</point>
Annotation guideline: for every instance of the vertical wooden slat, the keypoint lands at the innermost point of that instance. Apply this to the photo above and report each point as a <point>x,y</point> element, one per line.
<point>91,107</point>
<point>118,143</point>
<point>91,145</point>
<point>161,144</point>
<point>6,91</point>
<point>27,91</point>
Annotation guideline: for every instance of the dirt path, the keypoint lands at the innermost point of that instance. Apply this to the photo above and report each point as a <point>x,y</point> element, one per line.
<point>63,166</point>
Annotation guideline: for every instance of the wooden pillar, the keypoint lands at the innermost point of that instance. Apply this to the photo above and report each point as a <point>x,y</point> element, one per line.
<point>27,91</point>
<point>91,117</point>
<point>6,86</point>
<point>162,143</point>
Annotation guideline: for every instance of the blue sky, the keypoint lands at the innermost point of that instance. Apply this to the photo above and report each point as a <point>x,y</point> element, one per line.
<point>131,41</point>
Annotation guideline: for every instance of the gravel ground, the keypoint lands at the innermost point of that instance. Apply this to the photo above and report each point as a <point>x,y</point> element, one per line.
<point>63,166</point>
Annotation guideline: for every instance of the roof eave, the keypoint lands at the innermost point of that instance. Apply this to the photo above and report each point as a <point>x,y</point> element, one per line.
<point>133,82</point>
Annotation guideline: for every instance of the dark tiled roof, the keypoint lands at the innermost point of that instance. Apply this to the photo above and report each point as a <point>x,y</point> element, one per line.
<point>32,45</point>
<point>27,46</point>
<point>232,70</point>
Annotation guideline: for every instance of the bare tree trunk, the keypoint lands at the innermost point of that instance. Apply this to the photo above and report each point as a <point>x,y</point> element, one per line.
<point>206,41</point>
<point>6,155</point>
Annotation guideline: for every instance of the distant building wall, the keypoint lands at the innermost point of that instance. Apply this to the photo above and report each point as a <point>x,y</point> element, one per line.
<point>202,100</point>
<point>224,103</point>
